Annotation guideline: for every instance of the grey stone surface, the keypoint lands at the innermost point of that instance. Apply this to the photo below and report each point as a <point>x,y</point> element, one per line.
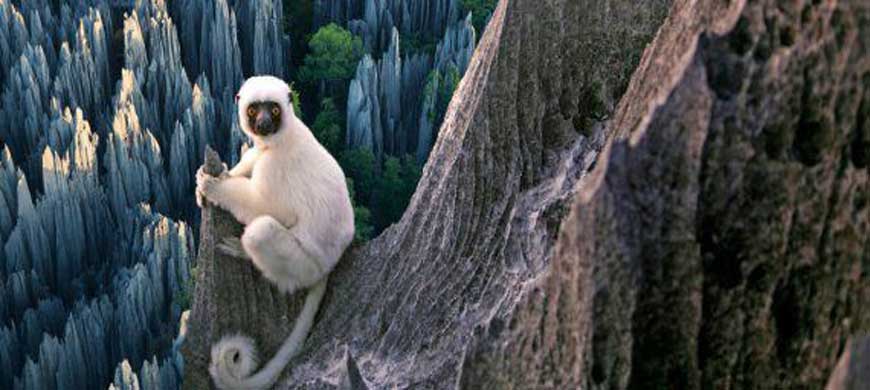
<point>392,102</point>
<point>713,246</point>
<point>375,19</point>
<point>364,129</point>
<point>261,37</point>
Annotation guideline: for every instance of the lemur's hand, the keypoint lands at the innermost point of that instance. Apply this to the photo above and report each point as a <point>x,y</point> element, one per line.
<point>206,186</point>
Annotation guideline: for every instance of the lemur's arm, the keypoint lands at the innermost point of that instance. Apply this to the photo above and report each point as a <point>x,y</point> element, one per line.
<point>235,194</point>
<point>246,164</point>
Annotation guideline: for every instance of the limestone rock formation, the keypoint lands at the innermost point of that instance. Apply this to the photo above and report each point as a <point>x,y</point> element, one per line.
<point>364,128</point>
<point>92,113</point>
<point>599,215</point>
<point>264,46</point>
<point>375,20</point>
<point>386,111</point>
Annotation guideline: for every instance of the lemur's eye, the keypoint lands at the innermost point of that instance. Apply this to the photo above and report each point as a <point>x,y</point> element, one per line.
<point>252,111</point>
<point>276,111</point>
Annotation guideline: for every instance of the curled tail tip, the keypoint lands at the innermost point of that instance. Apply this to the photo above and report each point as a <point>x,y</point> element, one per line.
<point>233,359</point>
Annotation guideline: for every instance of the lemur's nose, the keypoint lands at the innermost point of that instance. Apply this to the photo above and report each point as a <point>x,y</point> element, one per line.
<point>264,122</point>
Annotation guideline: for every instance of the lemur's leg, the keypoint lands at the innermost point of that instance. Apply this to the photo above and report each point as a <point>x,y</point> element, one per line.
<point>282,255</point>
<point>232,246</point>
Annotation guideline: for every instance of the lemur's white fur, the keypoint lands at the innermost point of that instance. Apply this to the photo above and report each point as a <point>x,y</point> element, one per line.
<point>291,195</point>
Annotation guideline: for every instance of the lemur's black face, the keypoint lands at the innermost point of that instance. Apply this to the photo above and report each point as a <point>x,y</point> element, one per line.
<point>264,118</point>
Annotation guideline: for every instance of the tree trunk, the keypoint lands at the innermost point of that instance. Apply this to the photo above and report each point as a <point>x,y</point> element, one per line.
<point>703,225</point>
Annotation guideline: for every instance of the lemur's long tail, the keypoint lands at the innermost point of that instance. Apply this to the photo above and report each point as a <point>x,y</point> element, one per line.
<point>234,358</point>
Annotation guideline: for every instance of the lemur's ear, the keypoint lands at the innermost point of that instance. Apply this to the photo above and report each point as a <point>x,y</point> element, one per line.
<point>237,98</point>
<point>290,102</point>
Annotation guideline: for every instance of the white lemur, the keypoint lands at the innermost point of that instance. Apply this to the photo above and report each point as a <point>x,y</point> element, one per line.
<point>291,195</point>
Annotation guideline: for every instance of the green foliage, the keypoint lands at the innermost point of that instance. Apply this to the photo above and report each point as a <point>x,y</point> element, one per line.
<point>388,194</point>
<point>297,106</point>
<point>448,86</point>
<point>297,20</point>
<point>432,83</point>
<point>334,54</point>
<point>413,43</point>
<point>411,173</point>
<point>184,299</point>
<point>394,189</point>
<point>480,12</point>
<point>328,126</point>
<point>363,222</point>
<point>359,165</point>
<point>441,88</point>
<point>362,218</point>
<point>592,107</point>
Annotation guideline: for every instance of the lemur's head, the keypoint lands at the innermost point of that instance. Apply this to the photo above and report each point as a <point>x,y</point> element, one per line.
<point>265,107</point>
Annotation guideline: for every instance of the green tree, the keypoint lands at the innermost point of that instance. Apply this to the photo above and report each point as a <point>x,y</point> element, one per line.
<point>413,43</point>
<point>334,54</point>
<point>362,218</point>
<point>297,106</point>
<point>388,194</point>
<point>440,88</point>
<point>410,176</point>
<point>328,126</point>
<point>480,12</point>
<point>445,93</point>
<point>394,189</point>
<point>297,24</point>
<point>359,165</point>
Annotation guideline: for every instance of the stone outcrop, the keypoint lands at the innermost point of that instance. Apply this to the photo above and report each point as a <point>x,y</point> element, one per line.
<point>89,274</point>
<point>375,20</point>
<point>364,128</point>
<point>265,47</point>
<point>386,111</point>
<point>50,257</point>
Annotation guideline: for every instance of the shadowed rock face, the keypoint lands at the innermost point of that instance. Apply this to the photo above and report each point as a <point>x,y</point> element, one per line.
<point>719,242</point>
<point>703,225</point>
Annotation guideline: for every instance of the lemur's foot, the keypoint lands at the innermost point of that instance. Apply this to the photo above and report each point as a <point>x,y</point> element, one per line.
<point>232,246</point>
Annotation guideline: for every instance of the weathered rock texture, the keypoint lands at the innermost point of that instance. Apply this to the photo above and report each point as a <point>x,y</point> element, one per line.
<point>719,240</point>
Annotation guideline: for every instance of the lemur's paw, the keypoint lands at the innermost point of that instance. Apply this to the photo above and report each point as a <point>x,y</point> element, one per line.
<point>232,246</point>
<point>206,187</point>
